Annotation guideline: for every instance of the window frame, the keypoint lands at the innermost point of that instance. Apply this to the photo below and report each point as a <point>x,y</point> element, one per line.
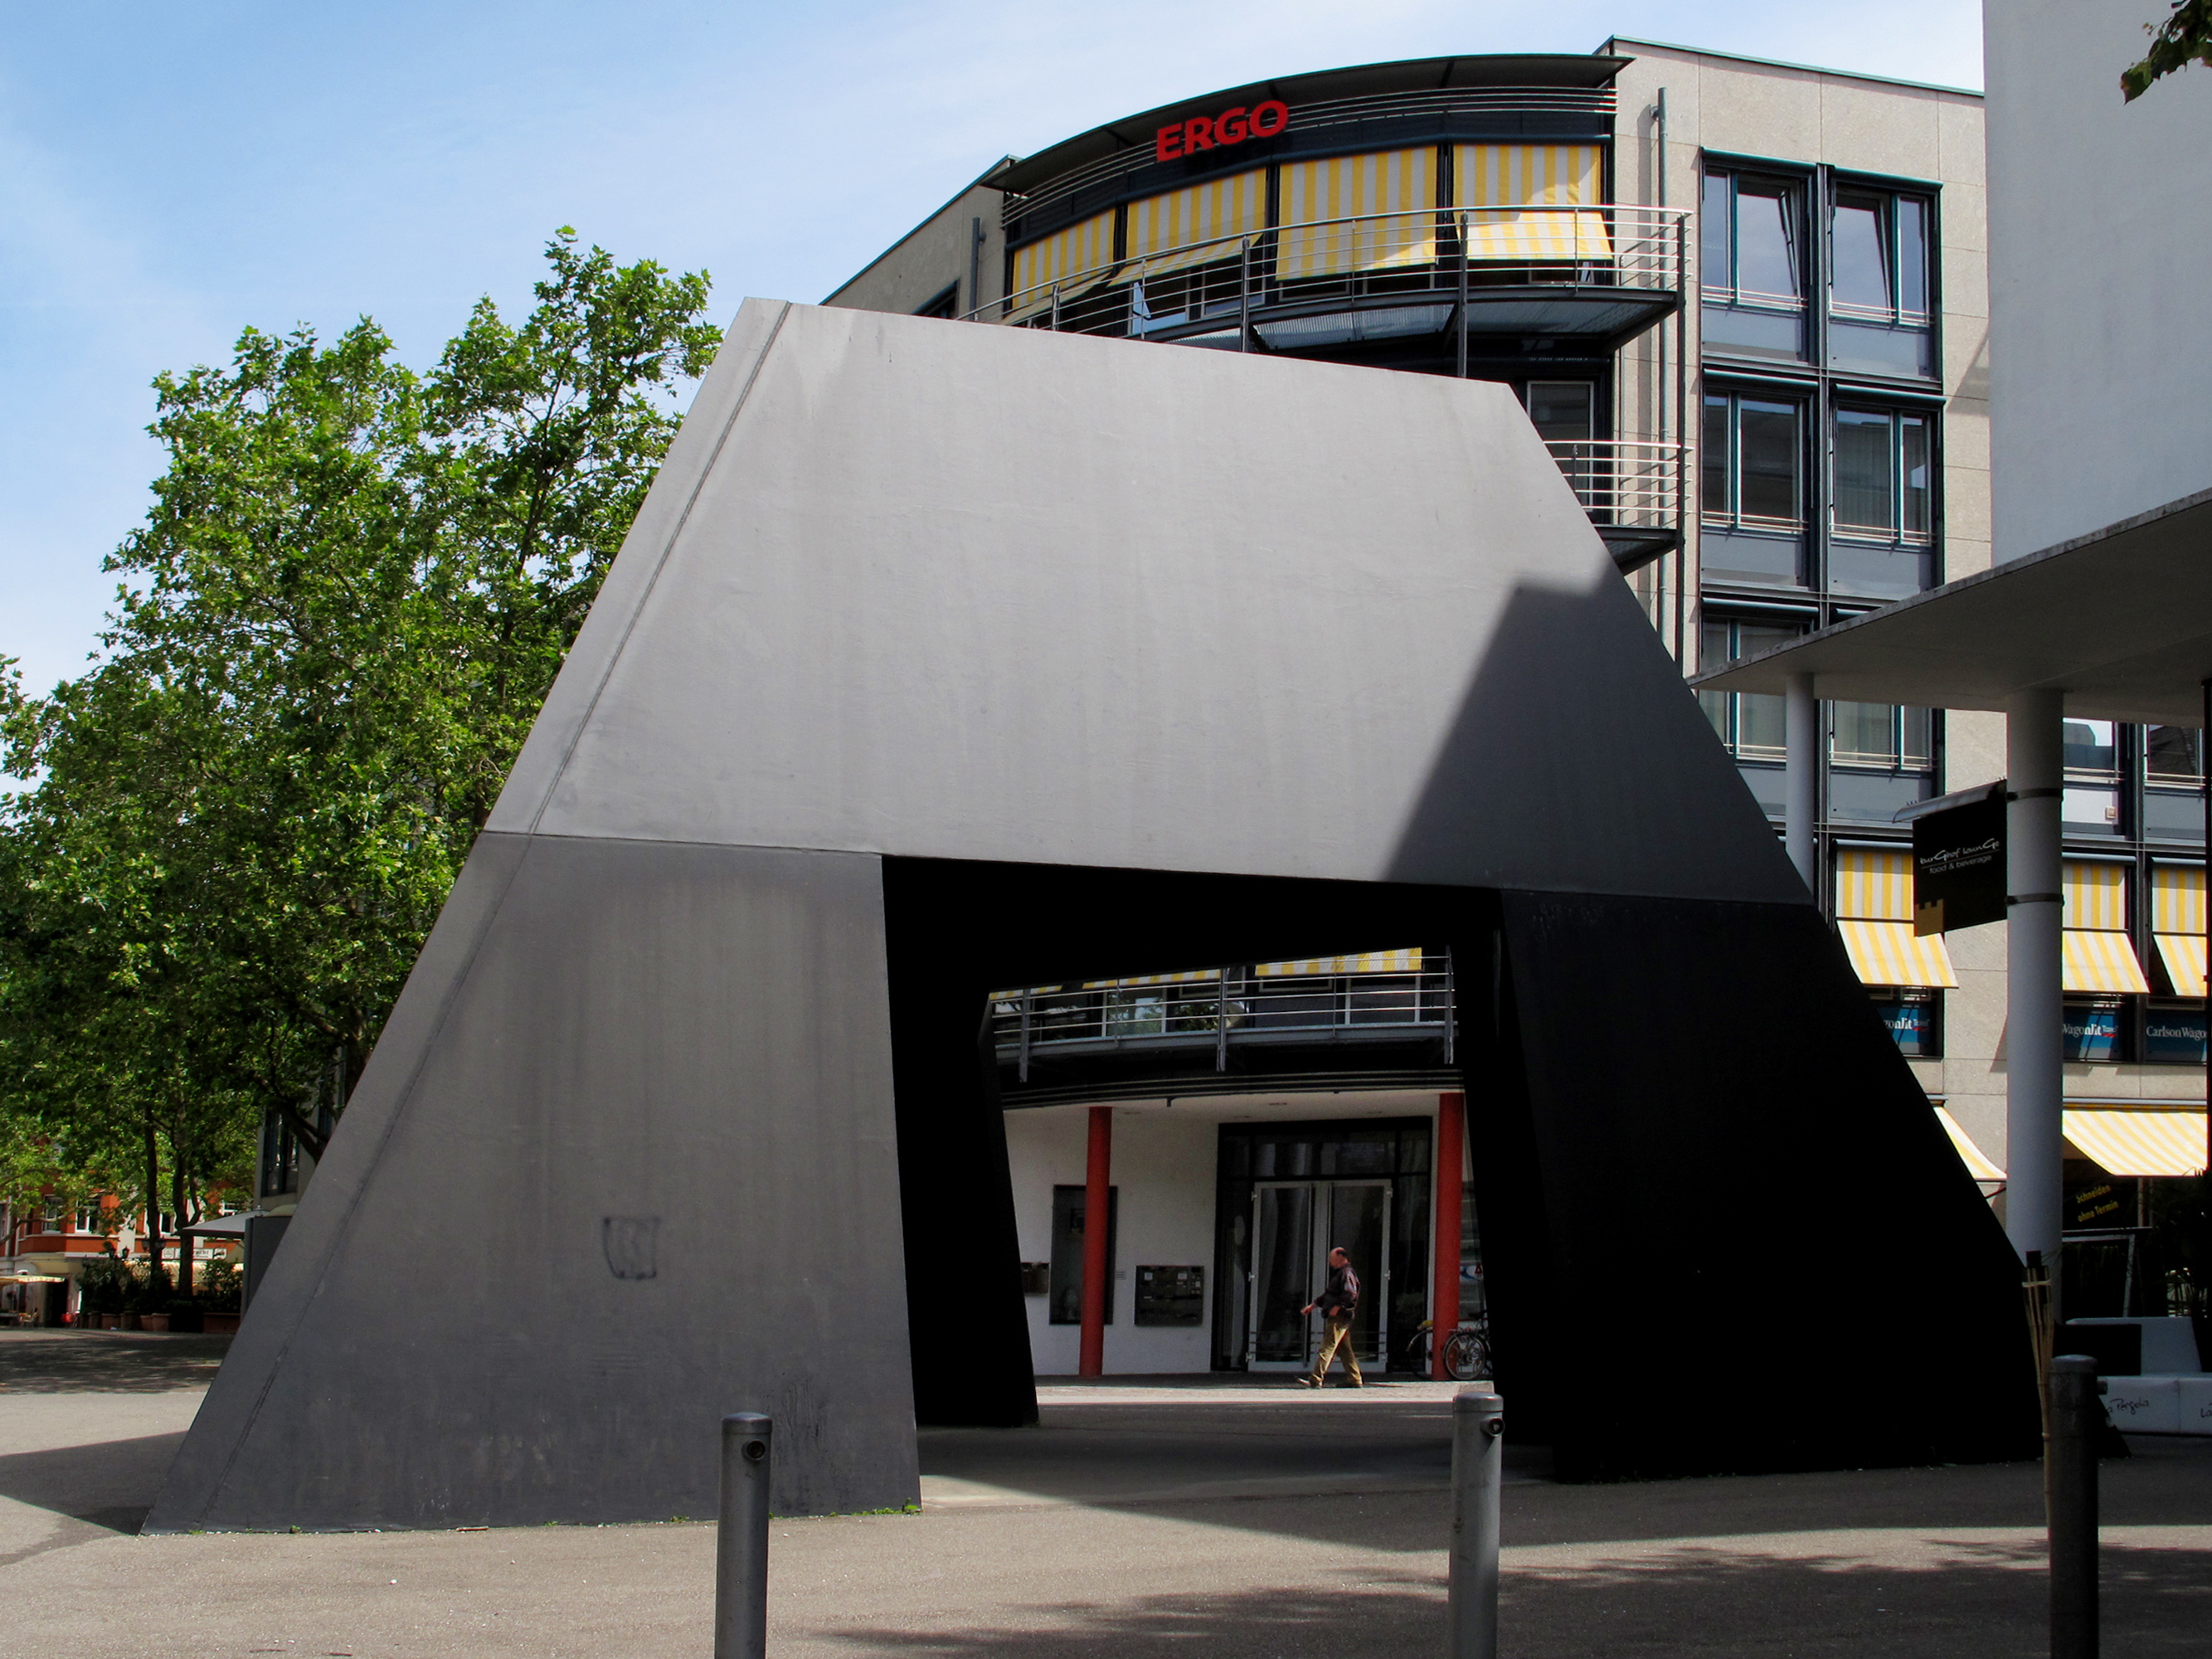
<point>1798,183</point>
<point>1895,314</point>
<point>1732,516</point>
<point>1899,533</point>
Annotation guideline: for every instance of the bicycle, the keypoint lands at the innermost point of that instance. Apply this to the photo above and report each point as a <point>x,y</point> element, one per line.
<point>1467,1350</point>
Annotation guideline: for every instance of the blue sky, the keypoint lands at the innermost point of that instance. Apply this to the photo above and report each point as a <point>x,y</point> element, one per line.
<point>173,174</point>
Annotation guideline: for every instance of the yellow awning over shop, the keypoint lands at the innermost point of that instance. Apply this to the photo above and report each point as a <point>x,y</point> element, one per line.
<point>2184,955</point>
<point>1978,1164</point>
<point>1165,231</point>
<point>1387,198</point>
<point>1874,915</point>
<point>1507,176</point>
<point>2131,1141</point>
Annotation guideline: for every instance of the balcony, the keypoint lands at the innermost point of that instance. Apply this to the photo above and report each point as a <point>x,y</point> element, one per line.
<point>1226,1023</point>
<point>1419,291</point>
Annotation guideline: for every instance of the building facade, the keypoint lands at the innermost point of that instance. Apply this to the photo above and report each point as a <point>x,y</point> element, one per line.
<point>1746,305</point>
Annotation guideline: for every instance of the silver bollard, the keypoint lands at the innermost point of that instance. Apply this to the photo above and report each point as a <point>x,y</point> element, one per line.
<point>2075,1418</point>
<point>1477,1468</point>
<point>741,1540</point>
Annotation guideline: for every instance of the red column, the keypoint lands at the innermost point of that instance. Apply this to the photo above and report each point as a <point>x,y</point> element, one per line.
<point>1097,1271</point>
<point>1443,1305</point>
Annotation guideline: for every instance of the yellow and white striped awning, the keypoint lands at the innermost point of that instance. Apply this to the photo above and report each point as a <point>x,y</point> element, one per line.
<point>2097,953</point>
<point>1163,229</point>
<point>1196,976</point>
<point>2101,961</point>
<point>1515,175</point>
<point>1384,194</point>
<point>1077,259</point>
<point>1887,953</point>
<point>1874,915</point>
<point>1978,1164</point>
<point>2129,1141</point>
<point>1372,962</point>
<point>2176,925</point>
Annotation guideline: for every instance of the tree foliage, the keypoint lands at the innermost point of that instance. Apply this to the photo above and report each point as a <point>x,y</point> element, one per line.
<point>352,592</point>
<point>2184,39</point>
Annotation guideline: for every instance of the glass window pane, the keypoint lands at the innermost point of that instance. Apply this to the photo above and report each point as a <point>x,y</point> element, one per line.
<point>1768,457</point>
<point>1716,705</point>
<point>1751,638</point>
<point>1919,517</point>
<point>1758,725</point>
<point>1865,474</point>
<point>1562,410</point>
<point>1866,733</point>
<point>1919,734</point>
<point>1911,254</point>
<point>2169,752</point>
<point>1713,645</point>
<point>1766,238</point>
<point>1861,275</point>
<point>1713,460</point>
<point>1718,270</point>
<point>2089,746</point>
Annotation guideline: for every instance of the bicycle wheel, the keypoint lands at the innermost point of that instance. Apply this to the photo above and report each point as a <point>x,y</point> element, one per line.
<point>1466,1356</point>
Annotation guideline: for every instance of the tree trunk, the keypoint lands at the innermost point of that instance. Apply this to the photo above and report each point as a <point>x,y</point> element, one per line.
<point>153,1203</point>
<point>177,1209</point>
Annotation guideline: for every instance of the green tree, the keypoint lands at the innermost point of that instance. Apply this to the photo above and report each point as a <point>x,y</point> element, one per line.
<point>2184,39</point>
<point>354,589</point>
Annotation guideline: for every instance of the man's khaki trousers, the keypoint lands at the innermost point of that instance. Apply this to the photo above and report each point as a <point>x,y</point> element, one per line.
<point>1337,1333</point>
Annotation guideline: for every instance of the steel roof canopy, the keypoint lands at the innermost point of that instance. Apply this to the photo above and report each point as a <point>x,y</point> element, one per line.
<point>2120,621</point>
<point>1559,68</point>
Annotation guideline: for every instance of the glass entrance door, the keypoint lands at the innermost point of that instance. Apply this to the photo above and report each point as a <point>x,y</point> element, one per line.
<point>1295,1224</point>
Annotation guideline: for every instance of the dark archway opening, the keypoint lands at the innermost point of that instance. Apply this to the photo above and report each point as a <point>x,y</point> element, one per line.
<point>1698,1157</point>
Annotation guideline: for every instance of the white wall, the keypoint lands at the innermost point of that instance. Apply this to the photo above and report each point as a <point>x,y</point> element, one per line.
<point>2098,238</point>
<point>1163,1168</point>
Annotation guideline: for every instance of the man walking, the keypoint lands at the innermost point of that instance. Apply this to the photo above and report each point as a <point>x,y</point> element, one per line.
<point>1338,1301</point>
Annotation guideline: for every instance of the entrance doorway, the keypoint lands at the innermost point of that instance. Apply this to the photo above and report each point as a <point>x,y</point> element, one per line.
<point>1295,1225</point>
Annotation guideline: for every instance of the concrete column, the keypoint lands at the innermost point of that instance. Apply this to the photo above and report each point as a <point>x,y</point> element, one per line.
<point>1801,738</point>
<point>1098,1266</point>
<point>2034,1005</point>
<point>1443,1300</point>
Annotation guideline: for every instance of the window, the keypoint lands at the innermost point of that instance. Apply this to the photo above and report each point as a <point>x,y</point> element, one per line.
<point>1753,255</point>
<point>1883,468</point>
<point>1749,722</point>
<point>1068,1204</point>
<point>1880,298</point>
<point>1878,256</point>
<point>1882,757</point>
<point>1882,475</point>
<point>2172,756</point>
<point>1881,734</point>
<point>2091,1029</point>
<point>1752,491</point>
<point>2090,803</point>
<point>1915,1019</point>
<point>946,304</point>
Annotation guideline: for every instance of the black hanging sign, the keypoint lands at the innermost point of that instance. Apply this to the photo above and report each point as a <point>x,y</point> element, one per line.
<point>1959,865</point>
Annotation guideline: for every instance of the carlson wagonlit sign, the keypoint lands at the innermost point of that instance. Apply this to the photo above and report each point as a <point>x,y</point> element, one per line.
<point>1232,126</point>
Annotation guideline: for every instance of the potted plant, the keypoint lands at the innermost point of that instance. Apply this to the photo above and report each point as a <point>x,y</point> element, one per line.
<point>143,1310</point>
<point>102,1287</point>
<point>219,1295</point>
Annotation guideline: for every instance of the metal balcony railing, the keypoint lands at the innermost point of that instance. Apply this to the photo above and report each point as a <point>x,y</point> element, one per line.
<point>1626,484</point>
<point>1460,256</point>
<point>1219,1009</point>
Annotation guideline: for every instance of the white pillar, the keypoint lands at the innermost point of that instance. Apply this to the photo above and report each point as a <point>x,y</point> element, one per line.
<point>2034,1002</point>
<point>1801,777</point>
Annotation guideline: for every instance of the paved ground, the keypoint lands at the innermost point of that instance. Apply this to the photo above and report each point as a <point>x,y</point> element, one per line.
<point>1238,1522</point>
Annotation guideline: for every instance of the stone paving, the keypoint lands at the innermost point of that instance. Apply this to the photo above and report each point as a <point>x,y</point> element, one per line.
<point>1137,1518</point>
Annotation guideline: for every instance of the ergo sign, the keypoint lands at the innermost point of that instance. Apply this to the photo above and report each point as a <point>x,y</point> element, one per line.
<point>1232,126</point>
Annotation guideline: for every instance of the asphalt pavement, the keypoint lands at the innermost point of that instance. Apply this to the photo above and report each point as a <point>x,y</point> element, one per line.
<point>1236,1521</point>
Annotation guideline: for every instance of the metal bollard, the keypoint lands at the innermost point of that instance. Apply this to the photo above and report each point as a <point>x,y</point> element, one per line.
<point>1477,1466</point>
<point>2075,1420</point>
<point>741,1540</point>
